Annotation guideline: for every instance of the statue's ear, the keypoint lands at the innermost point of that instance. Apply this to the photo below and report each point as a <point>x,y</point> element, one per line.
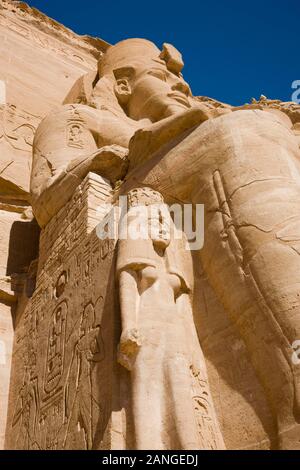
<point>122,87</point>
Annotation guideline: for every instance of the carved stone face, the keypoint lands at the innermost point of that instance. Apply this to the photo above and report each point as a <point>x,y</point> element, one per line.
<point>150,222</point>
<point>156,93</point>
<point>159,226</point>
<point>147,81</point>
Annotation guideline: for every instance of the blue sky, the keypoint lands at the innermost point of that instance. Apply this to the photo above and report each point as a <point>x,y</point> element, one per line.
<point>233,50</point>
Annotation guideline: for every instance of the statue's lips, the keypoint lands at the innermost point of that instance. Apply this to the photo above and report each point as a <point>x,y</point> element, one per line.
<point>182,99</point>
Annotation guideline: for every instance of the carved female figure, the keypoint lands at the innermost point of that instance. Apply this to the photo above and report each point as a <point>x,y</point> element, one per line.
<point>158,343</point>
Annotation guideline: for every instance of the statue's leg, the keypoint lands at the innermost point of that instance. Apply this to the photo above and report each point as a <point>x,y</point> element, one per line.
<point>251,253</point>
<point>180,410</point>
<point>147,396</point>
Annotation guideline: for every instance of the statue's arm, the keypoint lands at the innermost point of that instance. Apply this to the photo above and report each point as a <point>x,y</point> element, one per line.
<point>129,296</point>
<point>59,166</point>
<point>57,190</point>
<point>147,140</point>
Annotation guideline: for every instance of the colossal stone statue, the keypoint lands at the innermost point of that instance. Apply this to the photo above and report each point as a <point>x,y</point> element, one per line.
<point>140,122</point>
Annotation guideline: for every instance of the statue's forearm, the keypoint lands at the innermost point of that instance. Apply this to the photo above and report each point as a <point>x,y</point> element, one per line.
<point>50,197</point>
<point>130,341</point>
<point>148,140</point>
<point>129,297</point>
<point>59,189</point>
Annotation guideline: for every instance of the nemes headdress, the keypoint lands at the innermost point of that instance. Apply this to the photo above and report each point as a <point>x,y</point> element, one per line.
<point>138,52</point>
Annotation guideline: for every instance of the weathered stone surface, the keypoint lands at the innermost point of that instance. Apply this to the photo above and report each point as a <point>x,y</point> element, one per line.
<point>6,345</point>
<point>39,62</point>
<point>134,344</point>
<point>61,389</point>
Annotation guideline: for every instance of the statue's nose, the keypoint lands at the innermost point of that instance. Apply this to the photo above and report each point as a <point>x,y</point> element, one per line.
<point>182,87</point>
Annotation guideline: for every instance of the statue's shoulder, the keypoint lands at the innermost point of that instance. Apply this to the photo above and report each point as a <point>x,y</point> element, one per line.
<point>106,126</point>
<point>68,114</point>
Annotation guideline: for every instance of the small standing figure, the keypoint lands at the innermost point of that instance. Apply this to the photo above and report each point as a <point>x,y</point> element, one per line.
<point>89,349</point>
<point>159,344</point>
<point>26,411</point>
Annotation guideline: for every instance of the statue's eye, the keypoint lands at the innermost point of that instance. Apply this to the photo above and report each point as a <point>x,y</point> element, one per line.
<point>158,74</point>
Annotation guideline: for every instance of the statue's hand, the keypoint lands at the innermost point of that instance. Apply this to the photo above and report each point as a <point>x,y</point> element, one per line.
<point>110,162</point>
<point>205,112</point>
<point>129,346</point>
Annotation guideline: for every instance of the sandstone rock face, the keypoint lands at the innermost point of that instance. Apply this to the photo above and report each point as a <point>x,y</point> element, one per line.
<point>147,342</point>
<point>39,62</point>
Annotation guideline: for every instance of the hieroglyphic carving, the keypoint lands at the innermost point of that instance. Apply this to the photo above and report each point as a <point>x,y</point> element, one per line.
<point>68,391</point>
<point>74,130</point>
<point>18,127</point>
<point>51,420</point>
<point>60,284</point>
<point>56,348</point>
<point>26,411</point>
<point>204,410</point>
